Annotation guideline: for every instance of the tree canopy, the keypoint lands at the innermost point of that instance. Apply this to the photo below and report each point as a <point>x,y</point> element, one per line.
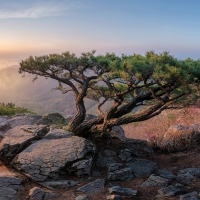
<point>152,83</point>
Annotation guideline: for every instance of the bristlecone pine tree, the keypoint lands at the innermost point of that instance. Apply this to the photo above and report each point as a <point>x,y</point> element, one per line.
<point>139,87</point>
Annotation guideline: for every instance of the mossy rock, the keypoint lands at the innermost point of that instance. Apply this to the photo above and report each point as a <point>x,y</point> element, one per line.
<point>52,118</point>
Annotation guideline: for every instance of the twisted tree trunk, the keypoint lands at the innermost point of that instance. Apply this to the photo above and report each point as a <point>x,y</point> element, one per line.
<point>80,115</point>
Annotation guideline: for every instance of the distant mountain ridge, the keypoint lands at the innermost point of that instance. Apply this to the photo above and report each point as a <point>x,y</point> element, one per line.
<point>36,96</point>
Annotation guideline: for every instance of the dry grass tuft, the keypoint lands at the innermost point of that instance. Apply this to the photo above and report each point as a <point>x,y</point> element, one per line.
<point>154,129</point>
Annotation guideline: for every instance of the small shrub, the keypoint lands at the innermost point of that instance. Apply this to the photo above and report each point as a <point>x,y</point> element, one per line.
<point>10,109</point>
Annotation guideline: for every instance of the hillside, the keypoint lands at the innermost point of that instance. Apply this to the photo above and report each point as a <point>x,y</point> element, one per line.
<point>36,96</point>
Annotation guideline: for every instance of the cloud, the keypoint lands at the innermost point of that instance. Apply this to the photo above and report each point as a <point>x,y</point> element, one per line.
<point>45,10</point>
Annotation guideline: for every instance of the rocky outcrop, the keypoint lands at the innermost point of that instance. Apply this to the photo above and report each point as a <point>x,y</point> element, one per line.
<point>24,119</point>
<point>18,138</point>
<point>49,158</point>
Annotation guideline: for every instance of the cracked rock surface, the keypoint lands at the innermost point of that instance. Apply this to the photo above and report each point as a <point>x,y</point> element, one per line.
<point>48,159</point>
<point>17,139</point>
<point>9,186</point>
<point>24,119</point>
<point>37,193</point>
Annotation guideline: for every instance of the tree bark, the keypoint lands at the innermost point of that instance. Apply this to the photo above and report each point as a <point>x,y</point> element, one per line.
<point>80,106</point>
<point>80,115</point>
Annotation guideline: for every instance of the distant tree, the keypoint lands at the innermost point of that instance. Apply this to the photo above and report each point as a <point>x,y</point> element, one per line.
<point>153,82</point>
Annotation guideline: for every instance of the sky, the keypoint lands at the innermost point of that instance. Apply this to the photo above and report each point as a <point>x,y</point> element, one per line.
<point>38,27</point>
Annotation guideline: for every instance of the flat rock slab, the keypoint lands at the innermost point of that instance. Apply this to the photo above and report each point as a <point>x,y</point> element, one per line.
<point>7,193</point>
<point>142,167</point>
<point>188,174</point>
<point>58,134</point>
<point>155,181</point>
<point>25,119</point>
<point>48,159</point>
<point>166,174</point>
<point>9,186</point>
<point>93,187</point>
<point>9,179</point>
<point>189,196</point>
<point>169,191</point>
<point>37,193</point>
<point>122,191</point>
<point>17,139</point>
<point>60,184</point>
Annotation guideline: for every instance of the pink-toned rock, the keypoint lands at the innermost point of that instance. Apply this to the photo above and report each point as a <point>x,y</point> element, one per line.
<point>178,138</point>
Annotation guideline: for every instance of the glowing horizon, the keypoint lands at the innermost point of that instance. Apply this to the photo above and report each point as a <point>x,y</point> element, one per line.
<point>43,27</point>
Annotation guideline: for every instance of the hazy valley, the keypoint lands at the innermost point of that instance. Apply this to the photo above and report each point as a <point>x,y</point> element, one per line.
<point>36,96</point>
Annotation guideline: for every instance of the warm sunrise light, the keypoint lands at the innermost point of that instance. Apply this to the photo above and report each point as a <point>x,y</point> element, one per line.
<point>99,99</point>
<point>42,27</point>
